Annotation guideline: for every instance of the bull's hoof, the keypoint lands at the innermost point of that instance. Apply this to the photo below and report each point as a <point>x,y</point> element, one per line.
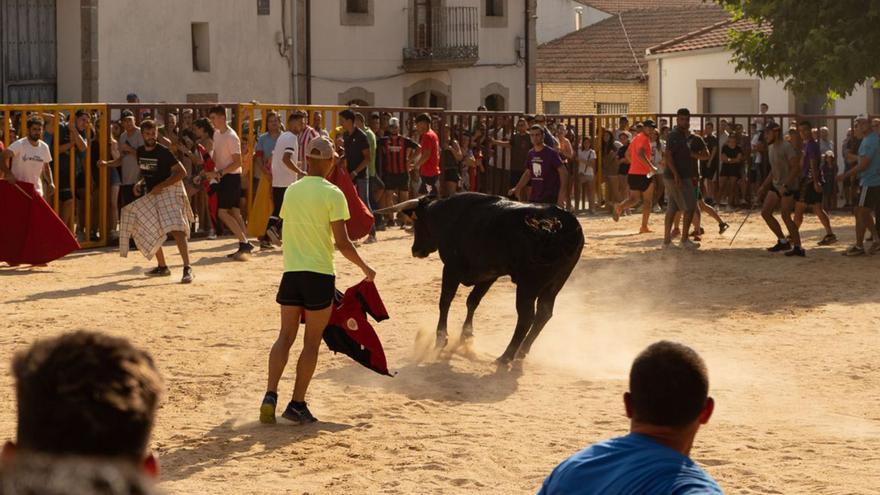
<point>467,337</point>
<point>520,355</point>
<point>504,360</point>
<point>442,340</point>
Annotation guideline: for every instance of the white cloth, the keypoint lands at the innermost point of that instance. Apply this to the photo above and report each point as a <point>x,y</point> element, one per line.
<point>151,218</point>
<point>226,144</point>
<point>28,161</point>
<point>584,158</point>
<point>287,143</point>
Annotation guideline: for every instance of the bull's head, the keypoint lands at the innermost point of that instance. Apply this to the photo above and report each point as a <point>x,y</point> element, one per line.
<point>424,241</point>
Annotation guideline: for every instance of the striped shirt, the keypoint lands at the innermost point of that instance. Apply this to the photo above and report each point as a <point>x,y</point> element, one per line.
<point>305,136</point>
<point>392,152</point>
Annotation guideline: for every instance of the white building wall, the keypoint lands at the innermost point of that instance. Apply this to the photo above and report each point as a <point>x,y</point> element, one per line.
<point>146,48</point>
<point>371,58</point>
<point>69,46</point>
<point>556,18</point>
<point>679,73</point>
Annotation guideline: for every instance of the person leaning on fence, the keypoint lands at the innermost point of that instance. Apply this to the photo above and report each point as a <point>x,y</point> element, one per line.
<point>667,403</point>
<point>88,395</point>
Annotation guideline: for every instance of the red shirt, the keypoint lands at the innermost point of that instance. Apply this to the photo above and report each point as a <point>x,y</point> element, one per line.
<point>431,145</point>
<point>637,165</point>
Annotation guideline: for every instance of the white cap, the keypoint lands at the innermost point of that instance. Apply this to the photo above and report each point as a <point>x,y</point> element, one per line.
<point>393,122</point>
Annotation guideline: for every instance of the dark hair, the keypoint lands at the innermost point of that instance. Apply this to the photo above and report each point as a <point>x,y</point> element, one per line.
<point>205,125</point>
<point>347,114</point>
<point>32,121</point>
<point>683,112</point>
<point>536,127</point>
<point>668,385</point>
<point>375,115</point>
<point>126,113</point>
<point>79,113</point>
<point>218,110</point>
<point>423,117</point>
<point>49,475</point>
<point>805,123</point>
<point>297,114</point>
<point>85,393</point>
<point>148,125</point>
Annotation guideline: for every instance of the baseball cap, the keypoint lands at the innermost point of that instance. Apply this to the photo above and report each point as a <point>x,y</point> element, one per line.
<point>771,125</point>
<point>649,123</point>
<point>321,148</point>
<point>393,122</point>
<point>861,117</point>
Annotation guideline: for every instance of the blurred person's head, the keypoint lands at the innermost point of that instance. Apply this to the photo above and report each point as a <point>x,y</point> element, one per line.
<point>668,393</point>
<point>273,122</point>
<point>203,128</point>
<point>347,119</point>
<point>805,128</point>
<point>394,126</point>
<point>823,133</point>
<point>49,475</point>
<point>186,118</point>
<point>683,118</point>
<point>536,133</point>
<point>321,156</point>
<point>296,121</point>
<point>150,133</point>
<point>35,128</point>
<point>710,128</point>
<point>423,123</point>
<point>82,119</point>
<point>85,394</point>
<point>522,126</point>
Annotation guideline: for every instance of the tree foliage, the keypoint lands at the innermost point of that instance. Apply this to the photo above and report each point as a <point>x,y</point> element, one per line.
<point>815,46</point>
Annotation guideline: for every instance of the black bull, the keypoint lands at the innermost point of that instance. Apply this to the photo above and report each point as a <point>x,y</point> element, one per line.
<point>482,238</point>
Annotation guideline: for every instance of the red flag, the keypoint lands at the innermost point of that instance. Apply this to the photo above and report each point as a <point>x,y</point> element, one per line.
<point>30,231</point>
<point>361,221</point>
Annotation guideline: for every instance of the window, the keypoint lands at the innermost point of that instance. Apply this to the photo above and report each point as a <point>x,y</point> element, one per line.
<point>551,107</point>
<point>357,6</point>
<point>356,12</point>
<point>612,108</point>
<point>494,103</point>
<point>494,8</point>
<point>201,47</point>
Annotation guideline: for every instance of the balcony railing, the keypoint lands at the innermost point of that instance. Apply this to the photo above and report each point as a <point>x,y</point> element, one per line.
<point>442,38</point>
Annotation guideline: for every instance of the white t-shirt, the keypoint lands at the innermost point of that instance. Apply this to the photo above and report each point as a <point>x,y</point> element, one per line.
<point>584,158</point>
<point>226,144</point>
<point>28,161</point>
<point>286,143</point>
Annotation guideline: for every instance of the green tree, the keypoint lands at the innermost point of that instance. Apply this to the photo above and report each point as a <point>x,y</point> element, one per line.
<point>814,47</point>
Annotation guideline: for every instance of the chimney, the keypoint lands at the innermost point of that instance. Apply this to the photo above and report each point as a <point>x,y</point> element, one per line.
<point>578,18</point>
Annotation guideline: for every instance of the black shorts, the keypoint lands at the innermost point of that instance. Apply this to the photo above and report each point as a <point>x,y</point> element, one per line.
<point>731,170</point>
<point>397,182</point>
<point>708,172</point>
<point>753,176</point>
<point>126,195</point>
<point>809,195</point>
<point>229,192</point>
<point>429,184</point>
<point>309,290</point>
<point>623,169</point>
<point>639,183</point>
<point>451,175</point>
<point>869,197</point>
<point>515,176</point>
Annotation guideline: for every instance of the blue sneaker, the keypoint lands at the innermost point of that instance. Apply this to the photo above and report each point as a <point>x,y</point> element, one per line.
<point>298,413</point>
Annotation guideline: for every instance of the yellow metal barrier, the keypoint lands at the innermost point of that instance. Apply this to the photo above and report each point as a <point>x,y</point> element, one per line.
<point>94,128</point>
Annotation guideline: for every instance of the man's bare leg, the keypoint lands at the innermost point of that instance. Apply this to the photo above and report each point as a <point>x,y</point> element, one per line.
<point>280,353</point>
<point>182,246</point>
<point>231,218</point>
<point>316,323</point>
<point>770,202</point>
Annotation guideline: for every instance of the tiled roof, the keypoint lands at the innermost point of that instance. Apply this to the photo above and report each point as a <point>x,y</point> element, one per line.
<point>708,37</point>
<point>616,6</point>
<point>600,52</point>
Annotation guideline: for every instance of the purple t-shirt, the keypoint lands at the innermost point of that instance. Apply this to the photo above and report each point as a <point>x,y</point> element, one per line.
<point>811,152</point>
<point>544,170</point>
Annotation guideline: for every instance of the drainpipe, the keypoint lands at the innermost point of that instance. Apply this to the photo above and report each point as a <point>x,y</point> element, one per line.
<point>308,40</point>
<point>660,87</point>
<point>294,66</point>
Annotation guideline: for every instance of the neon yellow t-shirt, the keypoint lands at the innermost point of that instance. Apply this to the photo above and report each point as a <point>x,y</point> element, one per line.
<point>310,204</point>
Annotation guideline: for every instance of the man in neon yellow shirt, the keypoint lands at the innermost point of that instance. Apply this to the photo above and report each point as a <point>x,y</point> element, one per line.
<point>314,213</point>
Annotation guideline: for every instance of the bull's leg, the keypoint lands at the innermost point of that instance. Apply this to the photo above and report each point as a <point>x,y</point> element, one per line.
<point>525,311</point>
<point>473,301</point>
<point>447,294</point>
<point>542,316</point>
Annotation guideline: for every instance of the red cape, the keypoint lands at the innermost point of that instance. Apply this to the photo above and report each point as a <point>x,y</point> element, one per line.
<point>30,231</point>
<point>361,221</point>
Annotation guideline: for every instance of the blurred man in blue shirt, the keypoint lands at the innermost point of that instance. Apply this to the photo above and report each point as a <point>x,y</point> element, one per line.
<point>667,403</point>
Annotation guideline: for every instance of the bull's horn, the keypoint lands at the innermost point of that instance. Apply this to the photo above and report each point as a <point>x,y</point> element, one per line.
<point>406,205</point>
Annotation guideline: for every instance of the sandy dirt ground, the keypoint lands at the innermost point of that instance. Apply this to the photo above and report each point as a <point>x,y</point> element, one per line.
<point>791,346</point>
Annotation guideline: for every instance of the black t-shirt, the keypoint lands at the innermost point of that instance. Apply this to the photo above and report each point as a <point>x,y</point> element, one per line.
<point>621,152</point>
<point>711,144</point>
<point>677,144</point>
<point>155,165</point>
<point>520,144</point>
<point>732,153</point>
<point>355,144</point>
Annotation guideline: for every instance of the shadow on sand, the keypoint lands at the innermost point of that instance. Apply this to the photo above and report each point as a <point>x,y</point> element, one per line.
<point>227,442</point>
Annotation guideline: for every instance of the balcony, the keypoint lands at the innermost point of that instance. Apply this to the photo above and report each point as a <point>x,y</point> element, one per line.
<point>442,38</point>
